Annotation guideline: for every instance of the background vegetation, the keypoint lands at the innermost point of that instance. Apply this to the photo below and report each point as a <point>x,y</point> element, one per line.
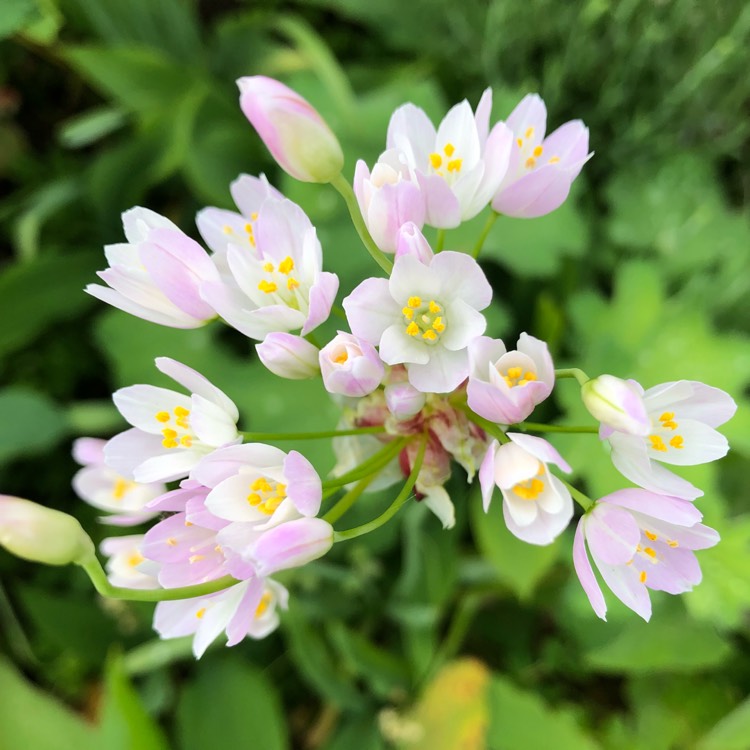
<point>105,104</point>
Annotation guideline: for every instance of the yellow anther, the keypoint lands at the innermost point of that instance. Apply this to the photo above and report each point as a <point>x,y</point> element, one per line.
<point>267,286</point>
<point>530,489</point>
<point>196,558</point>
<point>677,442</point>
<point>249,228</point>
<point>254,215</point>
<point>449,149</point>
<point>264,603</point>
<point>254,498</point>
<point>412,329</point>
<point>121,488</point>
<point>642,577</point>
<point>515,372</point>
<point>168,433</point>
<point>430,335</point>
<point>454,165</point>
<point>135,559</point>
<point>218,548</point>
<point>657,443</point>
<point>408,312</point>
<point>268,267</point>
<point>530,162</point>
<point>538,151</point>
<point>529,133</point>
<point>162,416</point>
<point>291,283</point>
<point>171,542</point>
<point>261,483</point>
<point>438,325</point>
<point>286,265</point>
<point>650,535</point>
<point>650,551</point>
<point>281,490</point>
<point>414,301</point>
<point>672,543</point>
<point>436,160</point>
<point>434,307</point>
<point>169,442</point>
<point>199,614</point>
<point>667,420</point>
<point>189,523</point>
<point>181,411</point>
<point>186,441</point>
<point>341,357</point>
<point>227,229</point>
<point>519,141</point>
<point>554,160</point>
<point>530,375</point>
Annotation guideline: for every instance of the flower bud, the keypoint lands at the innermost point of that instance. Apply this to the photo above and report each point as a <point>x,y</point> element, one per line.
<point>288,356</point>
<point>617,404</point>
<point>403,400</point>
<point>411,241</point>
<point>292,544</point>
<point>350,366</point>
<point>293,131</point>
<point>41,534</point>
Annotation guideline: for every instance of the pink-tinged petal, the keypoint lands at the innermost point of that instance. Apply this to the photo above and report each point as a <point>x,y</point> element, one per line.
<point>281,229</point>
<point>438,501</point>
<point>536,194</point>
<point>303,484</point>
<point>179,618</point>
<point>271,319</point>
<point>220,228</point>
<point>197,513</point>
<point>569,143</point>
<point>459,128</point>
<point>89,451</point>
<point>225,462</point>
<point>444,372</point>
<point>249,193</point>
<point>530,112</point>
<point>463,278</point>
<point>242,620</point>
<point>665,508</point>
<point>289,356</point>
<point>411,241</point>
<point>482,115</point>
<point>177,500</point>
<point>585,574</point>
<point>539,353</point>
<point>322,294</point>
<point>167,467</point>
<point>183,249</point>
<point>411,278</point>
<point>617,403</point>
<point>496,162</point>
<point>397,347</point>
<point>391,206</point>
<point>612,533</point>
<point>692,400</point>
<point>370,309</point>
<point>499,406</point>
<point>676,571</point>
<point>126,520</point>
<point>483,351</point>
<point>624,583</point>
<point>229,500</point>
<point>442,208</point>
<point>487,475</point>
<point>138,223</point>
<point>403,400</point>
<point>211,424</point>
<point>514,465</point>
<point>411,131</point>
<point>216,618</point>
<point>691,443</point>
<point>463,325</point>
<point>695,537</point>
<point>292,544</point>
<point>540,449</point>
<point>129,449</point>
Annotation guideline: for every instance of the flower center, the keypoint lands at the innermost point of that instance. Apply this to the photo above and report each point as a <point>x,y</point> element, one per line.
<point>279,278</point>
<point>266,496</point>
<point>446,164</point>
<point>530,489</point>
<point>424,320</point>
<point>531,151</point>
<point>177,434</point>
<point>515,376</point>
<point>249,229</point>
<point>666,440</point>
<point>122,487</point>
<point>264,604</point>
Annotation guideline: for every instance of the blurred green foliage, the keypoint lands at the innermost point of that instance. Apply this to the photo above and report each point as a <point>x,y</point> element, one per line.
<point>645,273</point>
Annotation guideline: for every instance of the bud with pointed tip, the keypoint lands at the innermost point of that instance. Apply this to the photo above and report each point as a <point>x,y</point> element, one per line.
<point>289,356</point>
<point>617,404</point>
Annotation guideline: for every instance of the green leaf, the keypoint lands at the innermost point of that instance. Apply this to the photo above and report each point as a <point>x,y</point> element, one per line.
<point>26,312</point>
<point>16,14</point>
<point>731,733</point>
<point>519,565</point>
<point>89,127</point>
<point>231,701</point>
<point>31,423</point>
<point>31,719</point>
<point>519,719</point>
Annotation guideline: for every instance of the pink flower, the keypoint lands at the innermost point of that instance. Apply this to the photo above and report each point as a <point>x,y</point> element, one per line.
<point>126,566</point>
<point>104,488</point>
<point>460,166</point>
<point>537,506</point>
<point>289,356</point>
<point>157,274</point>
<point>293,131</point>
<point>350,366</point>
<point>171,432</point>
<point>388,199</point>
<point>504,387</point>
<point>541,169</point>
<point>640,540</point>
<point>411,241</point>
<point>424,317</point>
<point>404,400</point>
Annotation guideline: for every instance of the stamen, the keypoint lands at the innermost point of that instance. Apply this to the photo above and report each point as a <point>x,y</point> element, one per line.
<point>121,488</point>
<point>438,325</point>
<point>162,416</point>
<point>407,312</point>
<point>434,307</point>
<point>657,443</point>
<point>267,286</point>
<point>171,542</point>
<point>650,535</point>
<point>292,283</point>
<point>430,335</point>
<point>286,265</point>
<point>268,267</point>
<point>529,133</point>
<point>199,614</point>
<point>414,302</point>
<point>227,229</point>
<point>677,442</point>
<point>196,558</point>
<point>642,577</point>
<point>436,160</point>
<point>554,160</point>
<point>454,165</point>
<point>538,151</point>
<point>449,149</point>
<point>530,162</point>
<point>650,551</point>
<point>263,605</point>
<point>412,329</point>
<point>254,215</point>
<point>135,559</point>
<point>341,357</point>
<point>186,441</point>
<point>519,141</point>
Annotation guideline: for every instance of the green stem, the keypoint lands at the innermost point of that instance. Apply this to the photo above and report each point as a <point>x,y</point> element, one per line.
<point>346,502</point>
<point>573,372</point>
<point>491,219</point>
<point>489,427</point>
<point>439,240</point>
<point>346,192</point>
<point>376,461</point>
<point>536,427</point>
<point>101,583</point>
<point>393,508</point>
<point>583,500</point>
<point>260,436</point>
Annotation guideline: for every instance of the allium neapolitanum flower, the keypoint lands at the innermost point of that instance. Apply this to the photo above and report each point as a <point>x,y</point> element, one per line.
<point>640,540</point>
<point>682,417</point>
<point>274,281</point>
<point>460,166</point>
<point>541,169</point>
<point>289,356</point>
<point>293,131</point>
<point>505,386</point>
<point>126,566</point>
<point>171,431</point>
<point>424,317</point>
<point>350,366</point>
<point>537,506</point>
<point>101,486</point>
<point>157,274</point>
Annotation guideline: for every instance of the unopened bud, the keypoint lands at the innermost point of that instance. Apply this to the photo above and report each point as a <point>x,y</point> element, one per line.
<point>617,403</point>
<point>292,544</point>
<point>289,356</point>
<point>403,400</point>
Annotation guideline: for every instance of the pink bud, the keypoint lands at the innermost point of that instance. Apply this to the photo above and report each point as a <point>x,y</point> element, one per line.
<point>617,403</point>
<point>41,534</point>
<point>288,356</point>
<point>293,131</point>
<point>411,241</point>
<point>292,544</point>
<point>404,400</point>
<point>350,366</point>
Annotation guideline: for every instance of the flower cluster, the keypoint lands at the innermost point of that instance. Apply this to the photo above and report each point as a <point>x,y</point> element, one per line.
<point>419,384</point>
